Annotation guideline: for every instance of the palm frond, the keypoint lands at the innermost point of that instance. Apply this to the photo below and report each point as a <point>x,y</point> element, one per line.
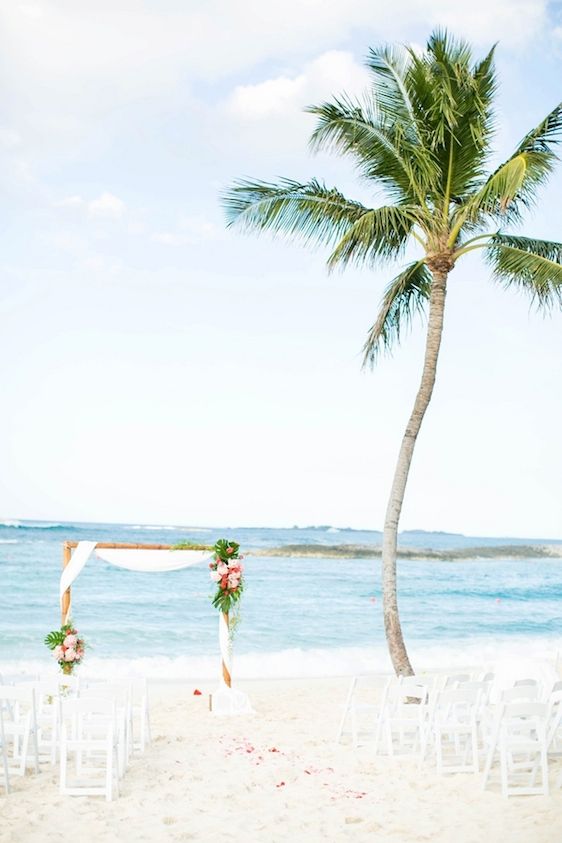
<point>508,188</point>
<point>382,150</point>
<point>404,298</point>
<point>455,98</point>
<point>546,135</point>
<point>310,211</point>
<point>378,235</point>
<point>533,265</point>
<point>389,68</point>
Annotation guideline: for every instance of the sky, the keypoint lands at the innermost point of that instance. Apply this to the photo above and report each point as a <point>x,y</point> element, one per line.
<point>160,369</point>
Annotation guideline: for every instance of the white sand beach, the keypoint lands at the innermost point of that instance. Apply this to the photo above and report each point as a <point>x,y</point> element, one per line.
<point>274,776</point>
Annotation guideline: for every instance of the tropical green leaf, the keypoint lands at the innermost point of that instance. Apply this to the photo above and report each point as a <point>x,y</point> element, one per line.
<point>405,297</point>
<point>533,265</point>
<point>380,234</point>
<point>55,638</point>
<point>546,135</point>
<point>311,211</point>
<point>381,149</point>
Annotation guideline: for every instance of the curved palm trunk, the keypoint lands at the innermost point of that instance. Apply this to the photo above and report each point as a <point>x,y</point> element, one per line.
<point>393,630</point>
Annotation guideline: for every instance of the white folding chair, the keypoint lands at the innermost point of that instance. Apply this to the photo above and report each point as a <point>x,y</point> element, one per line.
<point>140,715</point>
<point>523,748</point>
<point>403,716</point>
<point>89,732</point>
<point>520,738</point>
<point>48,694</point>
<point>3,750</point>
<point>454,729</point>
<point>120,696</point>
<point>361,689</point>
<point>20,726</point>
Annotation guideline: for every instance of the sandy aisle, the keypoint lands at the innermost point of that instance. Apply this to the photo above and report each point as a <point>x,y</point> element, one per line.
<point>273,777</point>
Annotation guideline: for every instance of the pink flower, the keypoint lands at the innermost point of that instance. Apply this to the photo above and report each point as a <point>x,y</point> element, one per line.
<point>222,569</point>
<point>70,641</point>
<point>233,565</point>
<point>233,581</point>
<point>212,564</point>
<point>215,576</point>
<point>229,550</point>
<point>70,655</point>
<point>58,652</point>
<point>240,557</point>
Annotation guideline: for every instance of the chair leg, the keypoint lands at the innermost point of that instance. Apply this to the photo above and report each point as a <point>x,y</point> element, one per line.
<point>439,751</point>
<point>544,769</point>
<point>504,771</point>
<point>109,771</point>
<point>24,748</point>
<point>63,762</point>
<point>354,736</point>
<point>6,771</point>
<point>475,764</point>
<point>35,749</point>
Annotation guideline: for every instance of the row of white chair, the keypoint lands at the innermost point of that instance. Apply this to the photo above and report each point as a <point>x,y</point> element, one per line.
<point>100,723</point>
<point>459,720</point>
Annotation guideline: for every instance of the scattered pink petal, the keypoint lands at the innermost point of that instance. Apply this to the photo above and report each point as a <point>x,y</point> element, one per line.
<point>281,784</point>
<point>197,693</point>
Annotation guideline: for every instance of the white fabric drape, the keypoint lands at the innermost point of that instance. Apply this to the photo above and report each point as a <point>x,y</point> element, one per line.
<point>78,559</point>
<point>152,560</point>
<point>131,558</point>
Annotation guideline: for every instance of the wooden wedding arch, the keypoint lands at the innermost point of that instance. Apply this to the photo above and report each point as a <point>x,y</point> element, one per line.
<point>66,597</point>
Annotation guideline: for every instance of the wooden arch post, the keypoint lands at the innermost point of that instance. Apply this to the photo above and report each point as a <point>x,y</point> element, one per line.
<point>225,656</point>
<point>66,599</point>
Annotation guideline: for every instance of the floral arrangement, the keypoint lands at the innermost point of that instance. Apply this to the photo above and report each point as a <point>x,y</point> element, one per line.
<point>68,648</point>
<point>227,572</point>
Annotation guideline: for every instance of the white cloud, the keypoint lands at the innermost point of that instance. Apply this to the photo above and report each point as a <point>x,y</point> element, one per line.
<point>330,72</point>
<point>108,206</point>
<point>105,206</point>
<point>52,49</point>
<point>71,202</point>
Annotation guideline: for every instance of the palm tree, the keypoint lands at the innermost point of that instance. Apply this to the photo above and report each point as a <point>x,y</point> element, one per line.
<point>422,135</point>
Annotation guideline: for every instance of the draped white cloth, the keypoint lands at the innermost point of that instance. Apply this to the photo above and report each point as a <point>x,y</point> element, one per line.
<point>152,560</point>
<point>134,559</point>
<point>228,701</point>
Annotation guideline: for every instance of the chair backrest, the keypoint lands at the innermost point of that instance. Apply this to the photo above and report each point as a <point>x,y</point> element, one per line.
<point>520,692</point>
<point>521,682</point>
<point>409,688</point>
<point>18,678</point>
<point>18,693</point>
<point>524,716</point>
<point>459,703</point>
<point>18,702</point>
<point>119,693</point>
<point>89,706</point>
<point>456,679</point>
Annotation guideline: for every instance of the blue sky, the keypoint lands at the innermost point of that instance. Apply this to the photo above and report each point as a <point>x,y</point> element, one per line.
<point>158,368</point>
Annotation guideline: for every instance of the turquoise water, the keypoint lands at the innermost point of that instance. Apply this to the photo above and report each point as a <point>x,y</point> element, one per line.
<point>299,615</point>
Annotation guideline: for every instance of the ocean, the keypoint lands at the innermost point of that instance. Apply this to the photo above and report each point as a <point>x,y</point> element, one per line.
<point>299,617</point>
